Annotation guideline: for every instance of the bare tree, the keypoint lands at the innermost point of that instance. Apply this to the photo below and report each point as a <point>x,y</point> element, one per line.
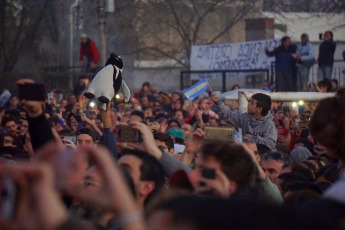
<point>168,29</point>
<point>20,21</point>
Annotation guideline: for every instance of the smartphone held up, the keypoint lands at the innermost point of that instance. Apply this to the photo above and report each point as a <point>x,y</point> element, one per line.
<point>125,133</point>
<point>32,92</point>
<point>219,134</point>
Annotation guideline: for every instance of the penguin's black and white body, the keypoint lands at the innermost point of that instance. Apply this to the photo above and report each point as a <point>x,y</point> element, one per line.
<point>107,82</point>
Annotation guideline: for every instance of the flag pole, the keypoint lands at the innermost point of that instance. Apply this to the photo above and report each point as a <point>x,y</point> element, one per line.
<point>209,86</point>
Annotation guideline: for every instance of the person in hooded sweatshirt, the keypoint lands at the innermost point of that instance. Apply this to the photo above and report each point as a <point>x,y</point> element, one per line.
<point>304,60</point>
<point>257,123</point>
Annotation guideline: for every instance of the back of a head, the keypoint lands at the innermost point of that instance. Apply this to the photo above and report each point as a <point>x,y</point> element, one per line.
<point>300,197</point>
<point>235,162</point>
<point>327,124</point>
<point>203,213</point>
<point>263,101</point>
<point>262,149</point>
<point>330,172</point>
<point>300,153</point>
<point>303,170</point>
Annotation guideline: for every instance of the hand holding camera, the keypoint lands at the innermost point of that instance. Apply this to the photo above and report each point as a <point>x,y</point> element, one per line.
<point>129,135</point>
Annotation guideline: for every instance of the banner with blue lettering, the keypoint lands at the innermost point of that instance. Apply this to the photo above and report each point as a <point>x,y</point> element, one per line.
<point>232,56</point>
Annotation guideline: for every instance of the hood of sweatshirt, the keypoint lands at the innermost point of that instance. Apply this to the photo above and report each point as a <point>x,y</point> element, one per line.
<point>262,126</point>
<point>268,117</point>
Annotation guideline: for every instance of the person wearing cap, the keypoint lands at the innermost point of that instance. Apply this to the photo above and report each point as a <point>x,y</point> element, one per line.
<point>88,48</point>
<point>179,138</point>
<point>300,153</point>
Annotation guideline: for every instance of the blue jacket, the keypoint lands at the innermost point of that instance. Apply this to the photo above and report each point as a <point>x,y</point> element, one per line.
<point>109,141</point>
<point>284,60</point>
<point>306,52</point>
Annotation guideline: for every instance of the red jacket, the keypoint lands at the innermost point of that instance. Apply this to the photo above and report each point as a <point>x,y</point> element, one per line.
<point>90,51</point>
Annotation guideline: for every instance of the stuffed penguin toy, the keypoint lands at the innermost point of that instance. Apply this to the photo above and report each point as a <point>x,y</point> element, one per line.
<point>107,82</point>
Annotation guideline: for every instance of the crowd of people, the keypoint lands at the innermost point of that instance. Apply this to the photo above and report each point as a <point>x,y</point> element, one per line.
<point>293,63</point>
<point>72,169</point>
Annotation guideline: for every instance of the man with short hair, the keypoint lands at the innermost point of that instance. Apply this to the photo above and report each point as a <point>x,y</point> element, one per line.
<point>164,142</point>
<point>85,139</point>
<point>264,188</point>
<point>272,162</point>
<point>257,123</point>
<point>234,169</point>
<point>136,116</point>
<point>11,126</point>
<point>147,174</point>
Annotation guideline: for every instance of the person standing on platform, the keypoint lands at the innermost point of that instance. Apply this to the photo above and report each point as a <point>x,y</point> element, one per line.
<point>326,57</point>
<point>304,61</point>
<point>284,65</point>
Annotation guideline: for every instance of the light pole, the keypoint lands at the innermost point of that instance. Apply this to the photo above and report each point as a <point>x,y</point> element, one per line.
<point>71,47</point>
<point>101,25</point>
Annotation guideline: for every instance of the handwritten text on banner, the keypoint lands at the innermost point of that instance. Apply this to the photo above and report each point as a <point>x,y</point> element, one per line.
<point>230,56</point>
